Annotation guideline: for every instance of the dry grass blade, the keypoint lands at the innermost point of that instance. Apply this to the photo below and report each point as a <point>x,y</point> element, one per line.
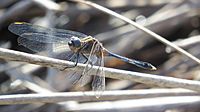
<point>159,104</point>
<point>156,36</point>
<point>49,5</point>
<point>90,96</point>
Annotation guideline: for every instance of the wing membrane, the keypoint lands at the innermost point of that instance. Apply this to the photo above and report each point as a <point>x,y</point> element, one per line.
<point>58,50</point>
<point>20,28</point>
<point>39,46</point>
<point>44,38</point>
<point>52,42</point>
<point>87,70</point>
<point>98,83</point>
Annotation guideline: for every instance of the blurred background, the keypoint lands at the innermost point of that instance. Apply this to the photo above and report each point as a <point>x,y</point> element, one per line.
<point>177,21</point>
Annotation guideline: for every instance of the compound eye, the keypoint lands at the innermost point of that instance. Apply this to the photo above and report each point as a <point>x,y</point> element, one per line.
<point>70,43</point>
<point>77,43</point>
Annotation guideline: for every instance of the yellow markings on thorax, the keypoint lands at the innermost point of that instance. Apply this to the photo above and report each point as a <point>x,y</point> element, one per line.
<point>18,22</point>
<point>87,39</point>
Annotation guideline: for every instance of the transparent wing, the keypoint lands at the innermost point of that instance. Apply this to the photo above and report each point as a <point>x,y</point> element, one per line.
<point>81,77</point>
<point>98,83</point>
<point>56,50</point>
<point>75,76</point>
<point>49,44</point>
<point>37,46</point>
<point>20,28</point>
<point>38,38</point>
<point>87,73</point>
<point>45,38</point>
<point>52,42</point>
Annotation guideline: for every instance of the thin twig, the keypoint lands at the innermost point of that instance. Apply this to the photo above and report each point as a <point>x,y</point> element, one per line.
<point>148,79</point>
<point>147,31</point>
<point>50,5</point>
<point>158,104</point>
<point>188,42</point>
<point>90,96</point>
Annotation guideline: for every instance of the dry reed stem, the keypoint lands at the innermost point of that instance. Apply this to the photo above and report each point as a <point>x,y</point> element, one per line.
<point>90,96</point>
<point>145,78</point>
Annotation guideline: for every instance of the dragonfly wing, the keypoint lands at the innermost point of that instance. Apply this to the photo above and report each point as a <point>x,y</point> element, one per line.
<point>76,76</point>
<point>44,38</point>
<point>87,73</point>
<point>33,45</point>
<point>98,83</point>
<point>20,28</point>
<point>56,50</point>
<point>40,43</point>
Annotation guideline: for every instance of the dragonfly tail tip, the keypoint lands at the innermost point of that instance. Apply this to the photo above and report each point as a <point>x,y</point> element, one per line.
<point>153,68</point>
<point>144,65</point>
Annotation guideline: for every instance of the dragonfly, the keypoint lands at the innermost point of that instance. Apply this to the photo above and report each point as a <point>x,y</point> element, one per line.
<point>81,48</point>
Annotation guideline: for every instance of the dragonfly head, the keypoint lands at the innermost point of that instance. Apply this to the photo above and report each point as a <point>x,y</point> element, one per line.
<point>74,42</point>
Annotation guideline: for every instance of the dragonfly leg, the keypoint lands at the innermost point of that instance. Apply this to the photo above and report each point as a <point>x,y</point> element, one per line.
<point>77,59</point>
<point>85,58</point>
<point>76,62</point>
<point>71,56</point>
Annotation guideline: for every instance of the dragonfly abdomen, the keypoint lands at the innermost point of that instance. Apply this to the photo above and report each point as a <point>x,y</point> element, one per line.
<point>140,64</point>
